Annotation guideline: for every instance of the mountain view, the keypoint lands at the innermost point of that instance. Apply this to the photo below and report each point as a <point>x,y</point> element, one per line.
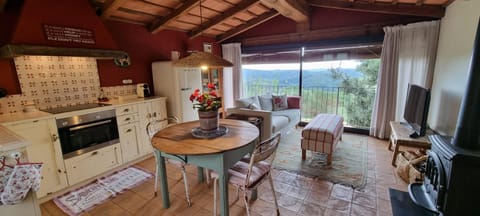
<point>311,78</point>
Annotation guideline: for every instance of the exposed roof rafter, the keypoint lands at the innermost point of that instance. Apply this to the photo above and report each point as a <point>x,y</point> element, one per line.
<point>402,9</point>
<point>248,25</point>
<point>243,5</point>
<point>296,10</point>
<point>110,7</point>
<point>161,23</point>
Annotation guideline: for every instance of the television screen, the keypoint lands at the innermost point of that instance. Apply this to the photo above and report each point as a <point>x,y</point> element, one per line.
<point>416,109</point>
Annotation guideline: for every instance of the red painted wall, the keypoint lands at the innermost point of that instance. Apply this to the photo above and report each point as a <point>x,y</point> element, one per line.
<point>321,18</point>
<point>143,49</point>
<point>72,13</point>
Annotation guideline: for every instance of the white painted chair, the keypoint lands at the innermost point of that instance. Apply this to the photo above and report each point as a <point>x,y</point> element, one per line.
<point>248,173</point>
<point>151,131</point>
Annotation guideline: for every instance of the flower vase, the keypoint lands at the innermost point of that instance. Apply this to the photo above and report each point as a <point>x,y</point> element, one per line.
<point>208,120</point>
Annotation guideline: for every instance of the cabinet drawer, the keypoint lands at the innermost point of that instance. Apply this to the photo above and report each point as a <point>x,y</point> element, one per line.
<point>93,163</point>
<point>126,119</point>
<point>123,110</point>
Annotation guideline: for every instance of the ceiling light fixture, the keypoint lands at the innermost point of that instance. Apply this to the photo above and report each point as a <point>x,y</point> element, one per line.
<point>202,59</point>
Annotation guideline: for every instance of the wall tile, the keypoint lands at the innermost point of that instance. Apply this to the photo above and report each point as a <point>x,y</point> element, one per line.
<point>56,81</point>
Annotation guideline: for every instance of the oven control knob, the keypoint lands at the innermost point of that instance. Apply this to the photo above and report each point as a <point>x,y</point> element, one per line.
<point>65,123</point>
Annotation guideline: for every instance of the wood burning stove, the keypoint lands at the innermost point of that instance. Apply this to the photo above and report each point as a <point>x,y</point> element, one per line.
<point>452,178</point>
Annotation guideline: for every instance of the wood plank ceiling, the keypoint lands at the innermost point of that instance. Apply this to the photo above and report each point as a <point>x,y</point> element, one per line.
<point>224,19</point>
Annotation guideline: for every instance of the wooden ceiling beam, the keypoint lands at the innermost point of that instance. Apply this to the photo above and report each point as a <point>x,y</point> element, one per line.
<point>110,7</point>
<point>162,23</point>
<point>420,2</point>
<point>248,25</point>
<point>402,9</point>
<point>296,10</point>
<point>243,5</point>
<point>322,34</point>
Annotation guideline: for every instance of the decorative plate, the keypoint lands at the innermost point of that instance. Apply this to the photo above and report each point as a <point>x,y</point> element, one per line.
<point>199,133</point>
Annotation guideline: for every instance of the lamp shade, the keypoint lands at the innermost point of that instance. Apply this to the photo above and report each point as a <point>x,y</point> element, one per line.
<point>199,59</point>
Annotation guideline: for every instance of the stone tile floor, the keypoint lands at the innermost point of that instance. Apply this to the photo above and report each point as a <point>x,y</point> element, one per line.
<point>296,194</point>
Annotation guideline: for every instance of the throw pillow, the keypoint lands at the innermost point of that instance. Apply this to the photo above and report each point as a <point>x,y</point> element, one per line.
<point>279,102</point>
<point>266,102</point>
<point>243,102</point>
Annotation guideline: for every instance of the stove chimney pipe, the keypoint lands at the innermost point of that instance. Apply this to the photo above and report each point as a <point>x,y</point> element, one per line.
<point>467,133</point>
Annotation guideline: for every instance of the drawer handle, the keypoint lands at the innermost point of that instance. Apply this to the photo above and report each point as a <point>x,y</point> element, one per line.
<point>59,171</point>
<point>54,137</point>
<point>155,114</point>
<point>95,153</point>
<point>129,130</point>
<point>127,119</point>
<point>126,110</point>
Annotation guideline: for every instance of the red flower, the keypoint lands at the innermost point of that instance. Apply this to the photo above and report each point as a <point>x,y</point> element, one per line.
<point>206,101</point>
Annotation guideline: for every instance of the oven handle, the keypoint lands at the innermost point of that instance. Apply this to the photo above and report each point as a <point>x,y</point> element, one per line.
<point>89,125</point>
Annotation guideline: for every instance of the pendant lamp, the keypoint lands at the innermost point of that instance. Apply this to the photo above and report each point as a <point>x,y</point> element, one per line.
<point>202,59</point>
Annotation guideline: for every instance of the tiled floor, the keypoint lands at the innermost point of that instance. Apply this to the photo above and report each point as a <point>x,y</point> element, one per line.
<point>297,195</point>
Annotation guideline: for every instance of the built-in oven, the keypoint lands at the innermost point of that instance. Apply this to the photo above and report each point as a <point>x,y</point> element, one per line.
<point>80,134</point>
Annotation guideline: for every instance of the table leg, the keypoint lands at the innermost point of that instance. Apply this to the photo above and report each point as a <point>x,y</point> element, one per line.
<point>390,142</point>
<point>163,182</point>
<point>223,183</point>
<point>200,174</point>
<point>395,153</point>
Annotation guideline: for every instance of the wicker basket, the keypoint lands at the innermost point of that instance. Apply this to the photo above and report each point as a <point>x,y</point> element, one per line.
<point>405,168</point>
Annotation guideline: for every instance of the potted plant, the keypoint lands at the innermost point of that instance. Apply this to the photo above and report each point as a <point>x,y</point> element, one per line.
<point>207,104</point>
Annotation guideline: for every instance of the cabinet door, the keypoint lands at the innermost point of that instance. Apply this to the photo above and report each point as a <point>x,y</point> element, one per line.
<point>93,163</point>
<point>129,141</point>
<point>44,147</point>
<point>154,111</point>
<point>158,109</point>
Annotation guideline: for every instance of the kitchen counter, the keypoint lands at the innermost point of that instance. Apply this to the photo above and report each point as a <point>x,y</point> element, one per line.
<point>10,141</point>
<point>38,115</point>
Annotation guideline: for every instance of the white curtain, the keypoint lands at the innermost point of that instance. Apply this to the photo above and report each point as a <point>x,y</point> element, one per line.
<point>232,77</point>
<point>408,56</point>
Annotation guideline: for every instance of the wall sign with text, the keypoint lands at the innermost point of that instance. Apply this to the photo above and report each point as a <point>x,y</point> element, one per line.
<point>69,34</point>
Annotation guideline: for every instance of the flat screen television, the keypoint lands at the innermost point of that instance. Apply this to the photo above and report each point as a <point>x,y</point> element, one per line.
<point>416,109</point>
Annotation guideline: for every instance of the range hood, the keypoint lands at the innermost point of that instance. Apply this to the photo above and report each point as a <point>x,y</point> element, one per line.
<point>56,28</point>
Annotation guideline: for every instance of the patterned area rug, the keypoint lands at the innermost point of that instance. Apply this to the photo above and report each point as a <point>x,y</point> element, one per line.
<point>87,197</point>
<point>349,161</point>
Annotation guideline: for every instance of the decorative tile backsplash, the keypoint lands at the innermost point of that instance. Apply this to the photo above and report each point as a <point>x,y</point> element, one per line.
<point>56,81</point>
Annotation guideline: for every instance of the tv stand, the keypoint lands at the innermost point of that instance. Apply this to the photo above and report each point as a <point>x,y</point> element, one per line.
<point>414,135</point>
<point>402,136</point>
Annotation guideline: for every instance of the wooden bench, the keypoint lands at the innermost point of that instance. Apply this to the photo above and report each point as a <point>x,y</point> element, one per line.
<point>322,135</point>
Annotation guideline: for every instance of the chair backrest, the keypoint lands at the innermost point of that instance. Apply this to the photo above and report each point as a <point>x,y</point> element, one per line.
<point>265,149</point>
<point>151,130</point>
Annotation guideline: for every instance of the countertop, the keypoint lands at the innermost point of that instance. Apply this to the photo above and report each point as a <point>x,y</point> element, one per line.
<point>10,141</point>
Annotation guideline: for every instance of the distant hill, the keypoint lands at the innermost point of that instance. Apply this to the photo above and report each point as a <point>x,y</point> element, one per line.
<point>311,78</point>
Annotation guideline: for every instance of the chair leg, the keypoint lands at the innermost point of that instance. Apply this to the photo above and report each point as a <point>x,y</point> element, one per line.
<point>304,154</point>
<point>274,195</point>
<point>215,182</point>
<point>185,181</point>
<point>245,200</point>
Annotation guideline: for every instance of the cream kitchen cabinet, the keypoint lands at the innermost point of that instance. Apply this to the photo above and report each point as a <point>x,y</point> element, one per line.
<point>44,147</point>
<point>153,111</point>
<point>93,163</point>
<point>129,132</point>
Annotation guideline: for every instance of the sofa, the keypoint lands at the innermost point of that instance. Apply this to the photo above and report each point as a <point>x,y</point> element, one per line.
<point>279,113</point>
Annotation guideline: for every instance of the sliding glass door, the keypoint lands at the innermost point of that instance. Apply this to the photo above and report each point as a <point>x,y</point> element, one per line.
<point>336,82</point>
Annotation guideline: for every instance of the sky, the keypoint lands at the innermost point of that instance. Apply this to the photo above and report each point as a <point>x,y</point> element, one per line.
<point>306,66</point>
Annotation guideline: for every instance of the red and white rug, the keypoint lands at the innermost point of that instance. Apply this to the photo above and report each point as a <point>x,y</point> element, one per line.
<point>93,194</point>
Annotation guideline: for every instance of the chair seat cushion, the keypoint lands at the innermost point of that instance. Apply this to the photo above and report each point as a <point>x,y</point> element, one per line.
<point>238,173</point>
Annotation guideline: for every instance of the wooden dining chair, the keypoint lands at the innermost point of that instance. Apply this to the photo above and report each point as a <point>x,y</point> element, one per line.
<point>151,131</point>
<point>248,173</point>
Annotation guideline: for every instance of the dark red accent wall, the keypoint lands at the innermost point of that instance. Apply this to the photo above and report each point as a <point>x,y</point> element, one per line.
<point>72,13</point>
<point>143,49</point>
<point>321,18</point>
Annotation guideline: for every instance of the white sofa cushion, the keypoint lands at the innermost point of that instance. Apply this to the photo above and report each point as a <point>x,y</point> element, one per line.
<point>249,103</point>
<point>266,102</point>
<point>278,123</point>
<point>291,114</point>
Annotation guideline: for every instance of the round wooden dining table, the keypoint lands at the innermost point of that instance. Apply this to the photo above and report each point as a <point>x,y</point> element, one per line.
<point>218,154</point>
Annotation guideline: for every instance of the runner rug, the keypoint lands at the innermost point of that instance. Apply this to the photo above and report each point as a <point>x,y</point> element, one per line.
<point>88,196</point>
<point>349,160</point>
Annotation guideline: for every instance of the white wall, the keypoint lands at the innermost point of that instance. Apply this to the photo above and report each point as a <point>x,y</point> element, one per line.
<point>455,48</point>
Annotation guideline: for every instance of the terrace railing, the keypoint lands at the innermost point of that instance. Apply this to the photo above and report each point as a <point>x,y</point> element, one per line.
<point>354,104</point>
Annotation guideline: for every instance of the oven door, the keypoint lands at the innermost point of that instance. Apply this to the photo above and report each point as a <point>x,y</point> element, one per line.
<point>82,138</point>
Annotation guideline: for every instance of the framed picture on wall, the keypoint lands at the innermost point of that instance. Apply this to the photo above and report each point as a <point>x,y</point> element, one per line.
<point>207,47</point>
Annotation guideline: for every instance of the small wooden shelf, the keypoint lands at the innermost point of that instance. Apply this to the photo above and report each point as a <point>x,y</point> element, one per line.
<point>401,137</point>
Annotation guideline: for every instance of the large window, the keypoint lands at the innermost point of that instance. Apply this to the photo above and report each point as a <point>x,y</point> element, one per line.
<point>345,87</point>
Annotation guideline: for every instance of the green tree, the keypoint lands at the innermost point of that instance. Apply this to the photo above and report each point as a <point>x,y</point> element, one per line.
<point>359,92</point>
